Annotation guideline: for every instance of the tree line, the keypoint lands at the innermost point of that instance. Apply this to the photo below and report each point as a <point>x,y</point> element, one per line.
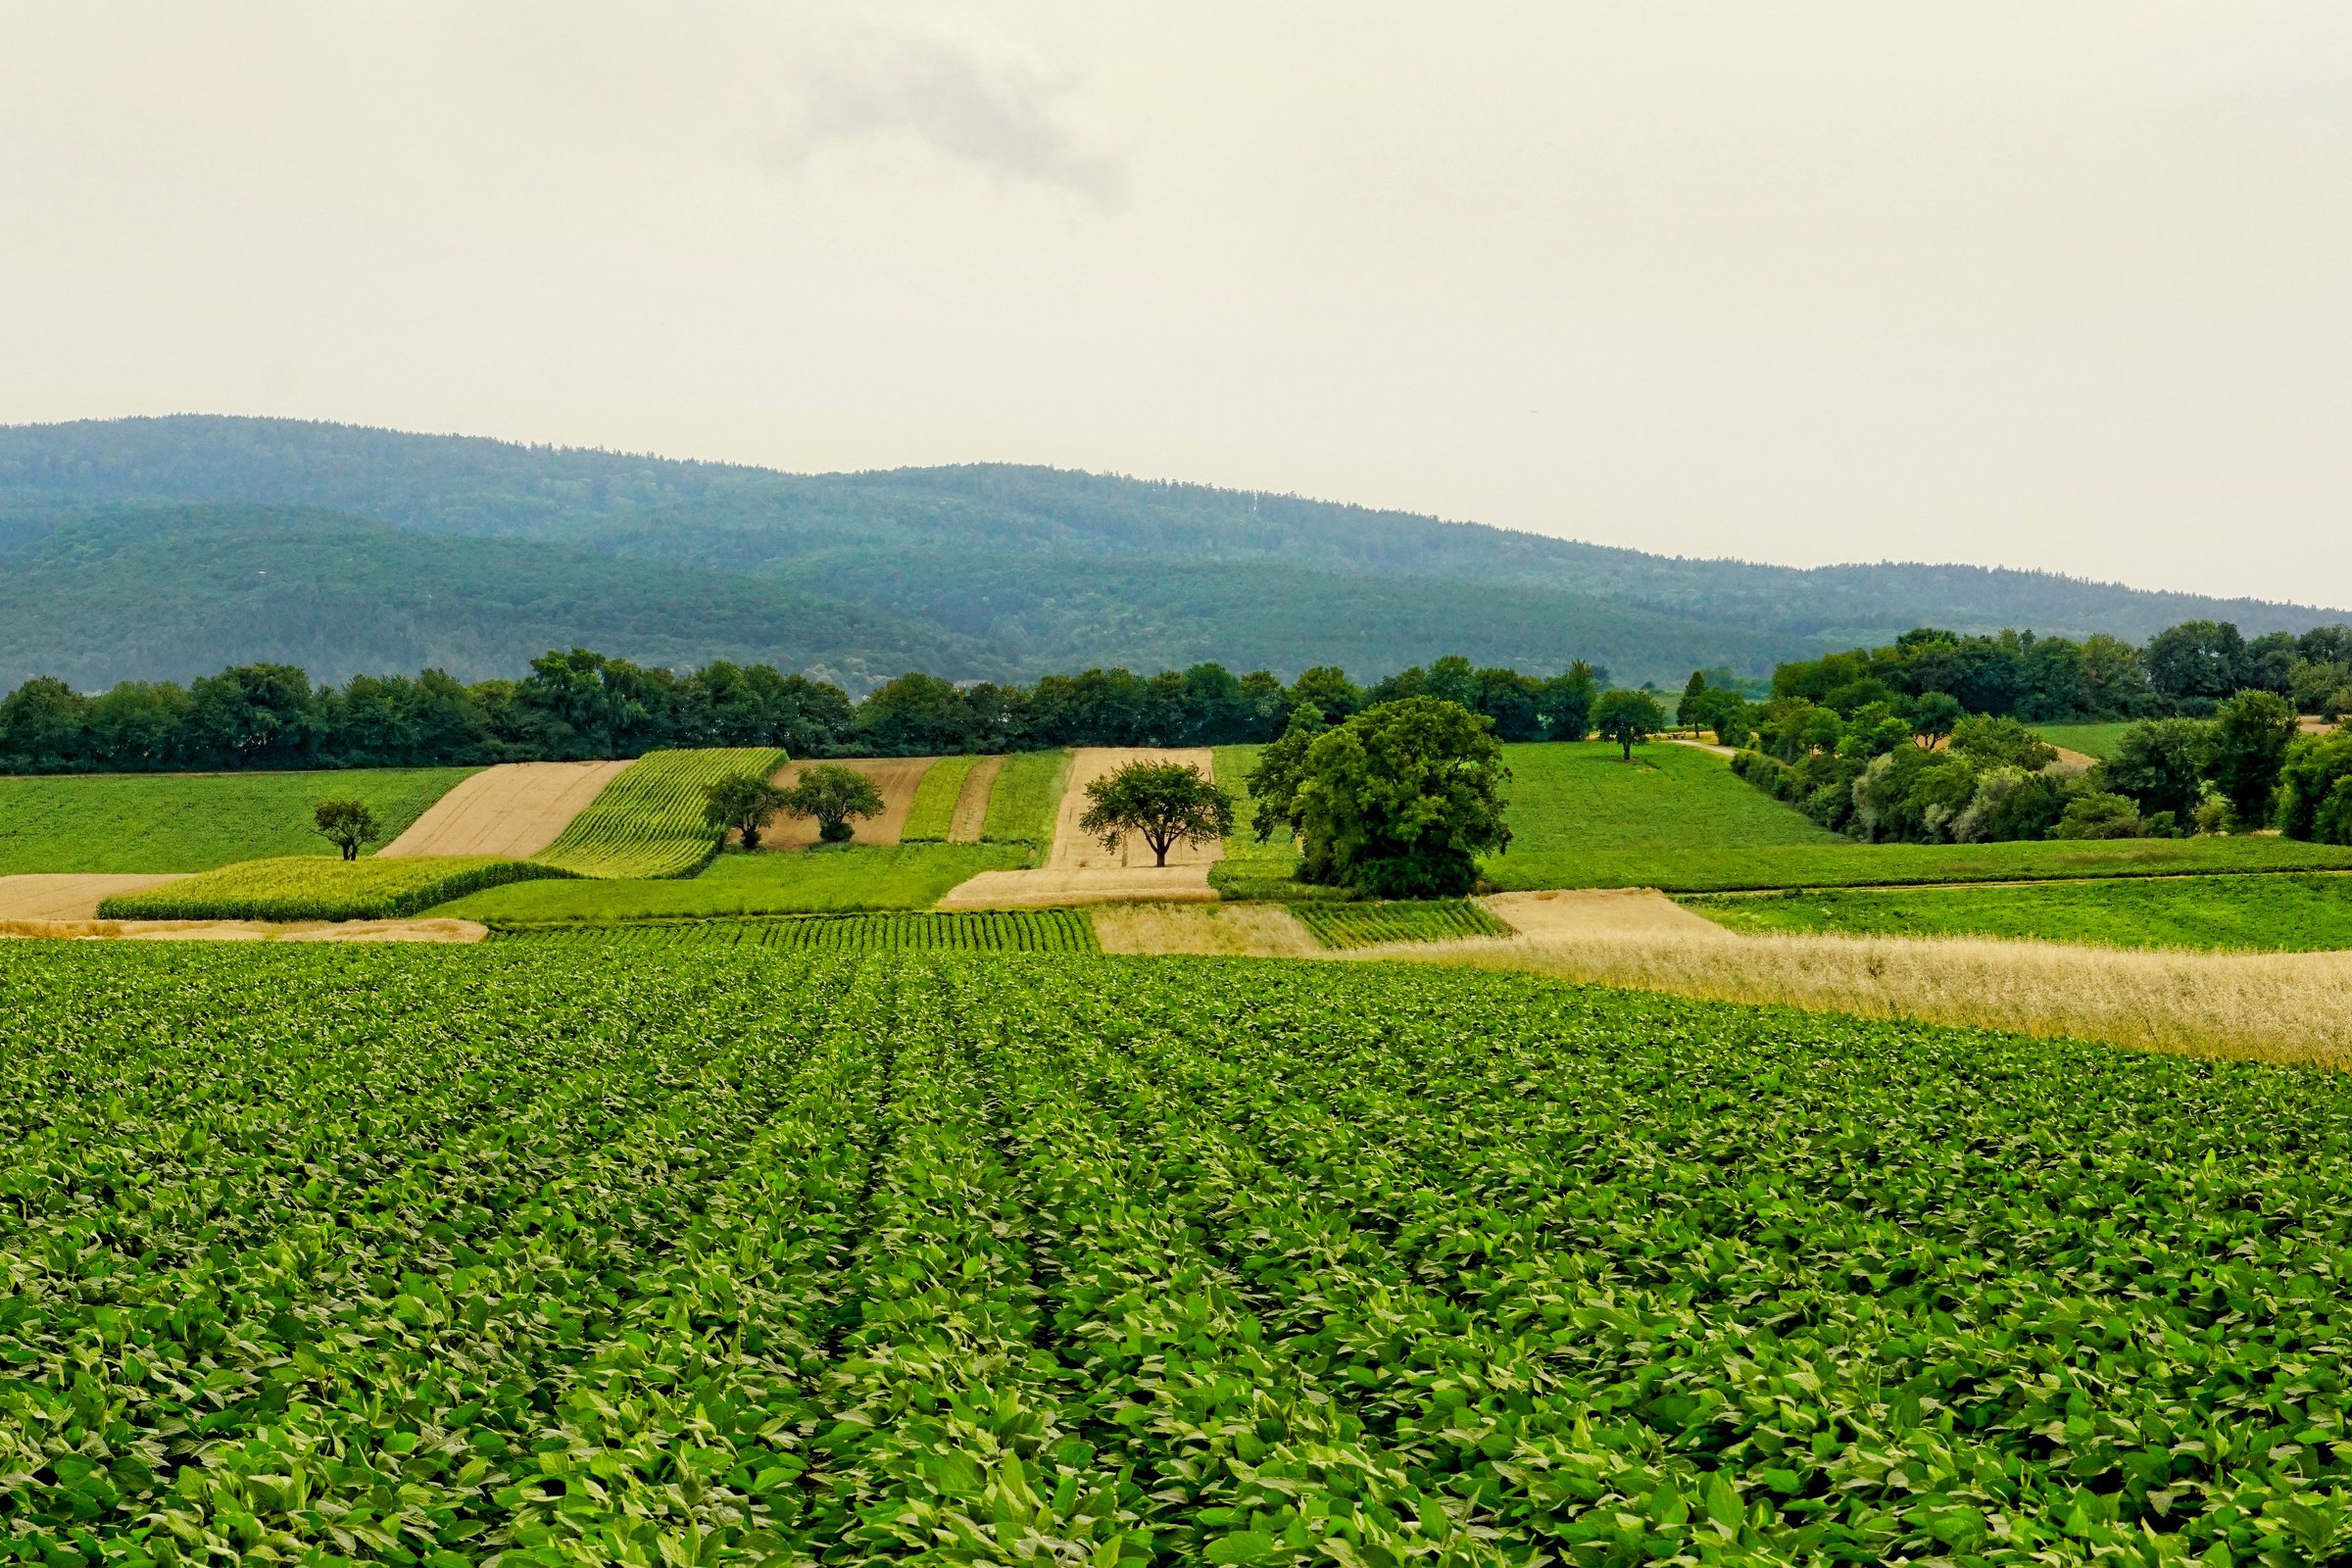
<point>580,704</point>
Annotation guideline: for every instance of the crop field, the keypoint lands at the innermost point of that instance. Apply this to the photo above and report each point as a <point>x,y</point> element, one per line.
<point>1369,924</point>
<point>2091,740</point>
<point>128,822</point>
<point>835,878</point>
<point>306,887</point>
<point>933,815</point>
<point>2284,913</point>
<point>1677,820</point>
<point>1028,794</point>
<point>677,1256</point>
<point>649,820</point>
<point>952,931</point>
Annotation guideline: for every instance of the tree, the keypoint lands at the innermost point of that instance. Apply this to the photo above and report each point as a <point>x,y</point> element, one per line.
<point>1567,700</point>
<point>2250,735</point>
<point>743,802</point>
<point>1401,800</point>
<point>2161,764</point>
<point>1274,783</point>
<point>2097,814</point>
<point>2195,661</point>
<point>1933,717</point>
<point>346,824</point>
<point>1991,742</point>
<point>2315,789</point>
<point>1687,713</point>
<point>832,795</point>
<point>1165,803</point>
<point>1628,718</point>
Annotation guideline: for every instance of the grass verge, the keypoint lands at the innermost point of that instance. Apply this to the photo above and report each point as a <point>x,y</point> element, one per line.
<point>834,878</point>
<point>304,887</point>
<point>128,822</point>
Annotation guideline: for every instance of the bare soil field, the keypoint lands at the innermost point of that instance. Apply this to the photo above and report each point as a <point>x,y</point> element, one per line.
<point>1075,849</point>
<point>1238,930</point>
<point>511,810</point>
<point>971,802</point>
<point>432,930</point>
<point>895,777</point>
<point>1043,889</point>
<point>1597,911</point>
<point>43,895</point>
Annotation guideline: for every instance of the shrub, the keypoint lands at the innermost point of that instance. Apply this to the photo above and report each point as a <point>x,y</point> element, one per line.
<point>2099,814</point>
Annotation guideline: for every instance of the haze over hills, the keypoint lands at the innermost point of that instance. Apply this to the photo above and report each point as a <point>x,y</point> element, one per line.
<point>165,548</point>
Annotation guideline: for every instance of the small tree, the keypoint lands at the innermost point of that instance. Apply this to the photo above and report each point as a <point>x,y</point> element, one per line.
<point>346,824</point>
<point>742,803</point>
<point>1165,803</point>
<point>1691,711</point>
<point>1628,718</point>
<point>1935,718</point>
<point>833,795</point>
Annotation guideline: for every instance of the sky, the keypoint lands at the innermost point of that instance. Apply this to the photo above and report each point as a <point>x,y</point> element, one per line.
<point>2065,288</point>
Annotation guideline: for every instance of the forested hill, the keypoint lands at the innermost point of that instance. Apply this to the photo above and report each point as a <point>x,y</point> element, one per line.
<point>162,548</point>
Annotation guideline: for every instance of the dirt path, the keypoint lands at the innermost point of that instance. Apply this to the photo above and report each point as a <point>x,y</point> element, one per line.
<point>1049,888</point>
<point>895,777</point>
<point>1074,850</point>
<point>74,897</point>
<point>433,931</point>
<point>1700,745</point>
<point>971,803</point>
<point>514,809</point>
<point>1599,912</point>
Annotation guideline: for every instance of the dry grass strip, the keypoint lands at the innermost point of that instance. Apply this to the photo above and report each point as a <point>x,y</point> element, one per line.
<point>2291,1007</point>
<point>1236,930</point>
<point>436,930</point>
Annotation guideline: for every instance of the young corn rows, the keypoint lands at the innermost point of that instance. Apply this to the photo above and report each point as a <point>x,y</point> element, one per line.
<point>647,823</point>
<point>1336,924</point>
<point>905,931</point>
<point>508,1255</point>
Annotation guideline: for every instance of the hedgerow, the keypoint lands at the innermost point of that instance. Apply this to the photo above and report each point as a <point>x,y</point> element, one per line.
<point>714,1256</point>
<point>647,823</point>
<point>1368,925</point>
<point>310,887</point>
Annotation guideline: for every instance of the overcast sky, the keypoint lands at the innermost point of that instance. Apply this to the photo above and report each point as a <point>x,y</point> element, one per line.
<point>2041,285</point>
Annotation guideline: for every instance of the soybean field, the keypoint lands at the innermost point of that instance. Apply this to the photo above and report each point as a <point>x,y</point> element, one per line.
<point>731,1255</point>
<point>913,931</point>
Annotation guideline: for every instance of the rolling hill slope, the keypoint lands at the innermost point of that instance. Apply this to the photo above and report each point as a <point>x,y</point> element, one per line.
<point>392,549</point>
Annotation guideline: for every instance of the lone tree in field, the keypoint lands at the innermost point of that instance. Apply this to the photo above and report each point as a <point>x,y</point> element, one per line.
<point>742,803</point>
<point>1401,800</point>
<point>346,824</point>
<point>1164,804</point>
<point>833,795</point>
<point>1626,717</point>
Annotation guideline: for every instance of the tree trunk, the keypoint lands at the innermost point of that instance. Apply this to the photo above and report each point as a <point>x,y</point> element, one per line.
<point>351,852</point>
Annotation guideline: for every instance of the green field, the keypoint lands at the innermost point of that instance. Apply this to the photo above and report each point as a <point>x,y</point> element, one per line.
<point>933,814</point>
<point>195,822</point>
<point>835,877</point>
<point>308,888</point>
<point>2284,912</point>
<point>1028,794</point>
<point>1371,923</point>
<point>1251,869</point>
<point>647,823</point>
<point>564,1250</point>
<point>916,931</point>
<point>2091,740</point>
<point>1676,819</point>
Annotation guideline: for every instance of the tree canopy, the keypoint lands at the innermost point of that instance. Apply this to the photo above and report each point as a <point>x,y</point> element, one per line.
<point>1164,804</point>
<point>1401,800</point>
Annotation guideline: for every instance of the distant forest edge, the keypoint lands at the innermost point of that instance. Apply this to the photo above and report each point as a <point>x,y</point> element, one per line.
<point>581,704</point>
<point>168,548</point>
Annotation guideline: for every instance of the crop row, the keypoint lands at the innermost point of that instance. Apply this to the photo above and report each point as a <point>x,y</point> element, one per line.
<point>311,887</point>
<point>647,823</point>
<point>687,1254</point>
<point>932,814</point>
<point>1336,923</point>
<point>940,931</point>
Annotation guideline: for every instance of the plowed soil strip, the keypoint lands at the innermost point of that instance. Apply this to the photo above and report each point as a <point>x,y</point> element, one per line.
<point>1075,849</point>
<point>512,811</point>
<point>971,806</point>
<point>897,777</point>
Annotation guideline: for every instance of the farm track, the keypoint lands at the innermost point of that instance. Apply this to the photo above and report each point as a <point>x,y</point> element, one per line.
<point>71,896</point>
<point>895,778</point>
<point>971,803</point>
<point>511,810</point>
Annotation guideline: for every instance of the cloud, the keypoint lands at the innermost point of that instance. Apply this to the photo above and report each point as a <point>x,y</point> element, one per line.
<point>1006,114</point>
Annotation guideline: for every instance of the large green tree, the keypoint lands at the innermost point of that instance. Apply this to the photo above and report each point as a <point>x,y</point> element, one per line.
<point>2250,735</point>
<point>834,795</point>
<point>1401,800</point>
<point>1626,717</point>
<point>1164,804</point>
<point>743,802</point>
<point>2161,764</point>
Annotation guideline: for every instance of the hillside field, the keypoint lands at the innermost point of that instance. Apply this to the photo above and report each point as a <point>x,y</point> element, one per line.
<point>1137,1261</point>
<point>125,822</point>
<point>2091,740</point>
<point>835,878</point>
<point>2286,912</point>
<point>647,823</point>
<point>308,888</point>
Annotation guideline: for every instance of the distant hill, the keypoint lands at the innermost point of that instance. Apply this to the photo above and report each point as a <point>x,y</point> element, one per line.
<point>165,547</point>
